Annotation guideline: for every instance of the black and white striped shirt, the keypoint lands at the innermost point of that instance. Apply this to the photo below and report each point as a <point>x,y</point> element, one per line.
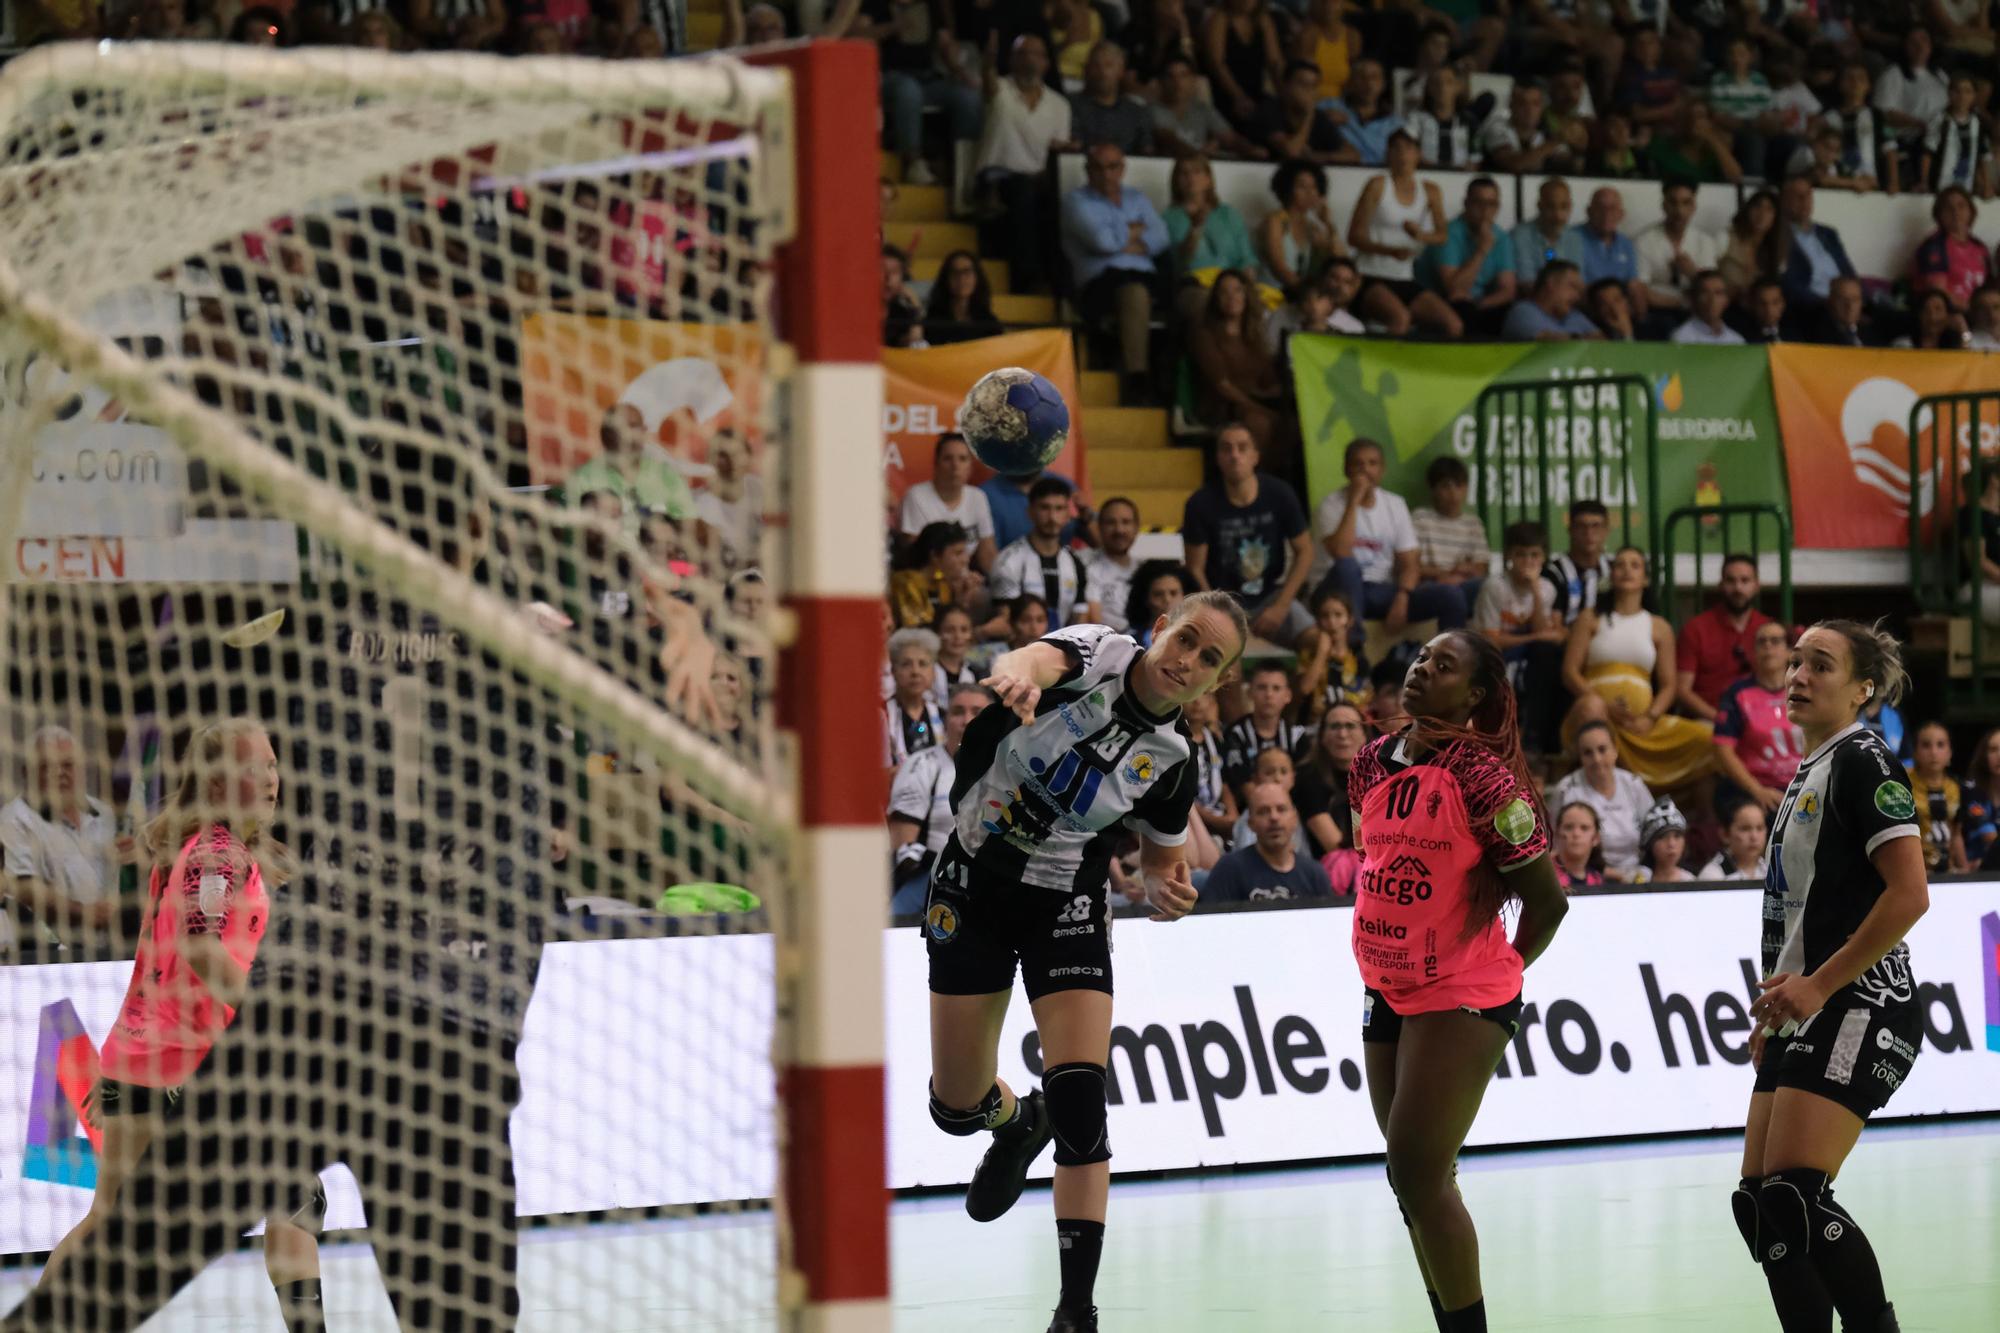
<point>903,735</point>
<point>1242,743</point>
<point>1955,149</point>
<point>1575,586</point>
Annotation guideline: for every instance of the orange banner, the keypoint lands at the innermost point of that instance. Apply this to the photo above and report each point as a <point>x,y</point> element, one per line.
<point>1845,416</point>
<point>926,386</point>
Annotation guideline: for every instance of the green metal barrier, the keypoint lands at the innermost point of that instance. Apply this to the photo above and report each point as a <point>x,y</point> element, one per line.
<point>1953,437</point>
<point>1556,440</point>
<point>1712,526</point>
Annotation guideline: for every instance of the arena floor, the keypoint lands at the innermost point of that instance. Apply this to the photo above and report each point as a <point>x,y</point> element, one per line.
<point>1630,1238</point>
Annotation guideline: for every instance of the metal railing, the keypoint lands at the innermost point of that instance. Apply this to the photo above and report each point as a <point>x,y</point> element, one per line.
<point>1951,437</point>
<point>1714,524</point>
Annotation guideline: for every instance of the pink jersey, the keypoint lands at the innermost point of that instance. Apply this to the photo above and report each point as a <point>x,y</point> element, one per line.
<point>1423,828</point>
<point>169,1020</point>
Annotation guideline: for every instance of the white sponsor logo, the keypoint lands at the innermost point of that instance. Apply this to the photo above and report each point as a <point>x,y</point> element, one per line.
<point>212,894</point>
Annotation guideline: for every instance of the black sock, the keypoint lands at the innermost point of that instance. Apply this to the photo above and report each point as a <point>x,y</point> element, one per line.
<point>1082,1245</point>
<point>1472,1319</point>
<point>303,1310</point>
<point>1847,1268</point>
<point>1437,1309</point>
<point>1798,1295</point>
<point>1017,1127</point>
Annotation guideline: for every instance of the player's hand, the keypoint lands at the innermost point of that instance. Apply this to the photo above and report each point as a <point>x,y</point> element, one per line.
<point>1759,1034</point>
<point>1019,693</point>
<point>687,658</point>
<point>1787,998</point>
<point>547,619</point>
<point>1172,895</point>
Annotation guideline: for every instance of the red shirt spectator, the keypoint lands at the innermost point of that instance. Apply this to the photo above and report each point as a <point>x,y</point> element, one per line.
<point>1951,258</point>
<point>1716,647</point>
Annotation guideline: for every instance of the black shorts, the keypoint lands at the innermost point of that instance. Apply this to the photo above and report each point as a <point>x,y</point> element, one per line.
<point>1405,290</point>
<point>1855,1056</point>
<point>112,1098</point>
<point>977,926</point>
<point>1380,1023</point>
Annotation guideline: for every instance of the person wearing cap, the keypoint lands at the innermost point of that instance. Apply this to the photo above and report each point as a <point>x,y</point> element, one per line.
<point>1662,844</point>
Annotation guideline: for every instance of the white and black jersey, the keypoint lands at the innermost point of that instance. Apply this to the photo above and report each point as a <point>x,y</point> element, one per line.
<point>1242,743</point>
<point>1860,139</point>
<point>921,793</point>
<point>1955,148</point>
<point>903,735</point>
<point>1041,803</point>
<point>1848,798</point>
<point>1208,782</point>
<point>1575,585</point>
<point>1057,579</point>
<point>943,682</point>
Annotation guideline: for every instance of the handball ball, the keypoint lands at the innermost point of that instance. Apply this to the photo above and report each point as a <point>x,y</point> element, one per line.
<point>1015,421</point>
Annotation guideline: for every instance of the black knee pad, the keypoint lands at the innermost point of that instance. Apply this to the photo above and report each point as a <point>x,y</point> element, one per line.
<point>1743,1206</point>
<point>976,1120</point>
<point>1789,1212</point>
<point>1075,1094</point>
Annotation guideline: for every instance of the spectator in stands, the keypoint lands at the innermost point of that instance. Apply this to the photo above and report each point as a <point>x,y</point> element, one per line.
<point>1742,854</point>
<point>1757,747</point>
<point>1075,28</point>
<point>464,27</point>
<point>1109,568</point>
<point>1955,145</point>
<point>1607,251</point>
<point>1979,819</point>
<point>1186,123</point>
<point>1691,147</point>
<point>1580,574</point>
<point>1549,313</point>
<point>1649,90</point>
<point>1113,238</point>
<point>1550,27</point>
<point>1317,307</point>
<point>1157,588</point>
<point>1473,270</point>
<point>1740,102</point>
<point>1516,142</point>
<point>1158,33</point>
<point>1368,532</point>
<point>1239,45</point>
<point>260,26</point>
<point>1245,534</point>
<point>1042,563</point>
<point>1269,869</point>
<point>1619,668</point>
<point>902,313</point>
<point>1300,237</point>
<point>1395,219</point>
<point>629,473</point>
<point>61,848</point>
<point>954,627</point>
<point>1706,323</point>
<point>1445,126</point>
<point>1615,156</point>
<point>946,498</point>
<point>1214,803</point>
<point>1673,250</point>
<point>1962,26</point>
<point>1910,96</point>
<point>1951,259</point>
<point>1662,844</point>
<point>1517,612</point>
<point>1208,235</point>
<point>1756,245</point>
<point>1236,371</point>
<point>920,820</point>
<point>1364,114</point>
<point>1716,647</point>
<point>1570,120</point>
<point>1616,796</point>
<point>935,572</point>
<point>1983,323</point>
<point>1939,800</point>
<point>1103,112</point>
<point>1292,125</point>
<point>1025,121</point>
<point>910,721</point>
<point>1328,38</point>
<point>1610,309</point>
<point>1815,256</point>
<point>1547,236</point>
<point>1934,325</point>
<point>919,70</point>
<point>1579,848</point>
<point>757,25</point>
<point>1844,320</point>
<point>1794,104</point>
<point>1451,544</point>
<point>1027,620</point>
<point>1320,793</point>
<point>961,302</point>
<point>1330,668</point>
<point>1763,318</point>
<point>1264,727</point>
<point>1867,157</point>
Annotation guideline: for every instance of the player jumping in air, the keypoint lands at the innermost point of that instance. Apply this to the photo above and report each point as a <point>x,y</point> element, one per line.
<point>1450,831</point>
<point>1087,736</point>
<point>207,915</point>
<point>1838,1022</point>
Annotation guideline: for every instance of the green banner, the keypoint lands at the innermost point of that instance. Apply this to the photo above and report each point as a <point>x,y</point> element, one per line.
<point>1716,427</point>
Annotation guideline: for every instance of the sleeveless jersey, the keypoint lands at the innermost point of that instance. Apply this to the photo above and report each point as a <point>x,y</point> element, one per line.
<point>1423,827</point>
<point>169,1020</point>
<point>1040,803</point>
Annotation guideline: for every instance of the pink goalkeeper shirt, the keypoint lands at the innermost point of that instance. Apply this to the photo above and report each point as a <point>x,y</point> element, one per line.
<point>169,1020</point>
<point>1423,828</point>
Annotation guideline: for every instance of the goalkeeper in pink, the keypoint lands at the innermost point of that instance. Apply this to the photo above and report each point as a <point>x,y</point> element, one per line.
<point>207,915</point>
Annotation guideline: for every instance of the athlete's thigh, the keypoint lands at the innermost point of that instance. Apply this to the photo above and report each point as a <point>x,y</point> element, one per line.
<point>1808,1130</point>
<point>1443,1064</point>
<point>965,1044</point>
<point>1075,1027</point>
<point>1756,1130</point>
<point>125,1140</point>
<point>1378,1061</point>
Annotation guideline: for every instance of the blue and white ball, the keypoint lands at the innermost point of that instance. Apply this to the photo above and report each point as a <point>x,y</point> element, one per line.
<point>1015,421</point>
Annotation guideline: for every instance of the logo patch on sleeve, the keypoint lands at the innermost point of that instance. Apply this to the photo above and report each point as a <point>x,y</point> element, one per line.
<point>1516,821</point>
<point>1894,800</point>
<point>212,894</point>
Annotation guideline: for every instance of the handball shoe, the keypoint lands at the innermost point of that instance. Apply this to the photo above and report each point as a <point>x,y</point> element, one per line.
<point>1070,1321</point>
<point>1003,1172</point>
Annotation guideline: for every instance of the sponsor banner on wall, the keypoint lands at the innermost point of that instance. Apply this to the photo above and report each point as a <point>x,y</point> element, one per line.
<point>647,1076</point>
<point>927,385</point>
<point>1846,416</point>
<point>1717,430</point>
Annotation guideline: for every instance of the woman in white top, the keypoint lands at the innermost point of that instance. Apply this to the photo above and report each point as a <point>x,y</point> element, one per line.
<point>1619,666</point>
<point>946,498</point>
<point>1619,798</point>
<point>1395,219</point>
<point>1910,95</point>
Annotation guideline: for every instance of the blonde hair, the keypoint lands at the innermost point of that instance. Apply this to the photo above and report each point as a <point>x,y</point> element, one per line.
<point>1189,163</point>
<point>209,758</point>
<point>1874,656</point>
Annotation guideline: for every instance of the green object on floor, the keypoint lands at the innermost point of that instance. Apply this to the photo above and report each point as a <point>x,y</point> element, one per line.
<point>706,899</point>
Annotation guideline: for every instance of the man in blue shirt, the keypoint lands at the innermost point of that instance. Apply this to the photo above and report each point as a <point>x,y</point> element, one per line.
<point>1608,252</point>
<point>1474,268</point>
<point>1112,237</point>
<point>1007,497</point>
<point>1546,236</point>
<point>1551,314</point>
<point>1364,115</point>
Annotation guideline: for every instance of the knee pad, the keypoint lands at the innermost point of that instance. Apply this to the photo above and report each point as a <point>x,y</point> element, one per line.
<point>1076,1099</point>
<point>1743,1206</point>
<point>963,1122</point>
<point>1788,1211</point>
